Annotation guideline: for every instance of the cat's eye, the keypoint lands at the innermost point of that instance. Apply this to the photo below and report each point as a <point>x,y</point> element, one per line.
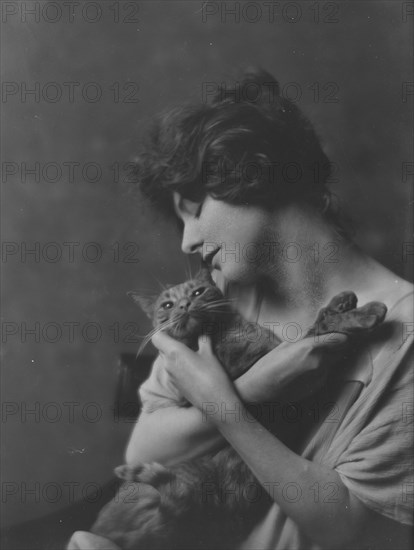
<point>198,291</point>
<point>167,305</point>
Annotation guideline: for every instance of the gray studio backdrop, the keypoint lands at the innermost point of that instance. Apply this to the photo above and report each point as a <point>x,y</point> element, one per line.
<point>81,83</point>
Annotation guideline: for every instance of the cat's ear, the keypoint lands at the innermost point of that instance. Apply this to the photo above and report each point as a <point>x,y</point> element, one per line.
<point>146,303</point>
<point>204,274</point>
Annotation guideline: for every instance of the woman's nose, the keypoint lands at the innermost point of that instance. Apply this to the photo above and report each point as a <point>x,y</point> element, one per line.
<point>191,240</point>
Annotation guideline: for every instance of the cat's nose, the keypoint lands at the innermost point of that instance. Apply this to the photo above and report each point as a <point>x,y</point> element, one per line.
<point>184,304</point>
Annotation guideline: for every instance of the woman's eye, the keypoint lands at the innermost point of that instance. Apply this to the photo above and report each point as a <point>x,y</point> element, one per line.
<point>198,291</point>
<point>167,305</point>
<point>198,211</point>
<point>191,207</point>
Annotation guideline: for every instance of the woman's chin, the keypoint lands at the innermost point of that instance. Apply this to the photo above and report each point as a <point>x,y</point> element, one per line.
<point>241,273</point>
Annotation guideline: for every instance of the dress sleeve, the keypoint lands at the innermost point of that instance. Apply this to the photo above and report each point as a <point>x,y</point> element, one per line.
<point>158,391</point>
<point>377,466</point>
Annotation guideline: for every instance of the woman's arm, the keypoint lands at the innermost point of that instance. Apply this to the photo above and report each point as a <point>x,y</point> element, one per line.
<point>334,523</point>
<point>170,435</point>
<point>299,486</point>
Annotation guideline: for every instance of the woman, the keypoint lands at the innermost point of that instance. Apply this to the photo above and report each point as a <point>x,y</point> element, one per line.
<point>246,178</point>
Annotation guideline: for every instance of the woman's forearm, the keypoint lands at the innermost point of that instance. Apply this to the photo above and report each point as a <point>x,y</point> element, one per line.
<point>310,494</point>
<point>171,435</point>
<point>270,378</point>
<point>300,487</point>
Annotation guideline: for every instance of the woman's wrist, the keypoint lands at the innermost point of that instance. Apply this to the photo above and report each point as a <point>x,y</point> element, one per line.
<point>224,408</point>
<point>268,378</point>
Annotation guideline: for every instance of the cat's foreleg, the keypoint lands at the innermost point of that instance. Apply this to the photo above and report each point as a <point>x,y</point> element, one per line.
<point>342,315</point>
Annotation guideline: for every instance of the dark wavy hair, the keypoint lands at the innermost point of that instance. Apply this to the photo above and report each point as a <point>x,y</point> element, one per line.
<point>237,148</point>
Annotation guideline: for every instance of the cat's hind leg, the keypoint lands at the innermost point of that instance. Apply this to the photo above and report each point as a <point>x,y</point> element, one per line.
<point>151,473</point>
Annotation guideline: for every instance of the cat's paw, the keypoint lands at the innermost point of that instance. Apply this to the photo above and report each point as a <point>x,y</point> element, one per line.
<point>151,473</point>
<point>341,315</point>
<point>343,302</point>
<point>366,317</point>
<point>125,472</point>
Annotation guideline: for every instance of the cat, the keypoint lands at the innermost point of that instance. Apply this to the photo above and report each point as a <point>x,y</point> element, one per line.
<point>197,307</point>
<point>204,503</point>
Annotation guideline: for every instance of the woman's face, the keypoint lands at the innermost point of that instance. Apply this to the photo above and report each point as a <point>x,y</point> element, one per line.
<point>235,240</point>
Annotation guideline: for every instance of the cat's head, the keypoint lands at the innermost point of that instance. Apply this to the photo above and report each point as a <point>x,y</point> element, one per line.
<point>185,309</point>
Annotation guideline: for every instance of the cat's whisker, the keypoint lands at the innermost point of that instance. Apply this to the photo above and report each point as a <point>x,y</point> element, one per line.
<point>209,310</point>
<point>188,270</point>
<point>215,304</point>
<point>161,326</point>
<point>206,307</point>
<point>163,287</point>
<point>222,303</point>
<point>152,333</point>
<point>143,292</point>
<point>204,311</point>
<point>220,300</point>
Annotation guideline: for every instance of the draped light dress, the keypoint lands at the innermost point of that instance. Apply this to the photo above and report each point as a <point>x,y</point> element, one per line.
<point>366,435</point>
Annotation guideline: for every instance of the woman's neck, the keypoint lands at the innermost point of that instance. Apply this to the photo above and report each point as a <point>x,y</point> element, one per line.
<point>313,264</point>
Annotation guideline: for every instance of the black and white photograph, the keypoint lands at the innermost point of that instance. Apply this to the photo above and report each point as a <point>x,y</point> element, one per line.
<point>207,315</point>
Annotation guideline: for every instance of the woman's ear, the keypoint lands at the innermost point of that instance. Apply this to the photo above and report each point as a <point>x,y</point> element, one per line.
<point>146,303</point>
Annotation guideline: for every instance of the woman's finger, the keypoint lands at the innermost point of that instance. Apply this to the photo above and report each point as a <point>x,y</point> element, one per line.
<point>165,344</point>
<point>205,346</point>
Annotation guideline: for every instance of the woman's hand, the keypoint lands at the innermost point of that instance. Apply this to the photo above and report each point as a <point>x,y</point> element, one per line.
<point>199,376</point>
